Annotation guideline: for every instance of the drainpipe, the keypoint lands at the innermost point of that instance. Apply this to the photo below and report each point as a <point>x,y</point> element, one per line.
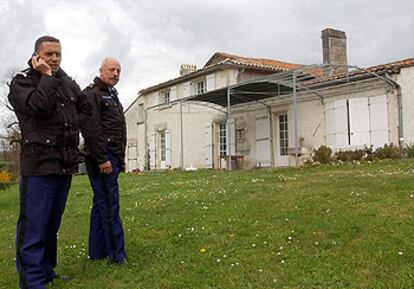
<point>146,156</point>
<point>181,136</point>
<point>400,109</point>
<point>271,143</point>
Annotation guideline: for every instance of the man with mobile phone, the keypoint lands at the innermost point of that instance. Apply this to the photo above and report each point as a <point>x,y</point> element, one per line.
<point>50,108</point>
<point>105,139</point>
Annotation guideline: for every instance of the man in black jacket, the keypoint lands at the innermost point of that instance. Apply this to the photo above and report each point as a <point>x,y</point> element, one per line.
<point>105,139</point>
<point>50,108</point>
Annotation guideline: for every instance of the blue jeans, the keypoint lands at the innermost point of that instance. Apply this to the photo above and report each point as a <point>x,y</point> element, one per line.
<point>106,234</point>
<point>42,203</point>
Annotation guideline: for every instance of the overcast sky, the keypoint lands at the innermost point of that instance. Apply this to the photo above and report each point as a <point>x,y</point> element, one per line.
<point>151,38</point>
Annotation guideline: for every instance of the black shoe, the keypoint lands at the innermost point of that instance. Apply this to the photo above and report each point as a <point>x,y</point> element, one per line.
<point>123,261</point>
<point>63,278</point>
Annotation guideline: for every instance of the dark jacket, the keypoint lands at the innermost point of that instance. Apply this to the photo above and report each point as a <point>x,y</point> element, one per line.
<point>50,110</point>
<point>105,131</point>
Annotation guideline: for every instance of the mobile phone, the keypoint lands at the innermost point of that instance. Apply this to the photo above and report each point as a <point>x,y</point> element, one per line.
<point>35,54</point>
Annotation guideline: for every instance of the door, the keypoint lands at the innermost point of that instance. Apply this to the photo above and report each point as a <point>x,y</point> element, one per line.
<point>282,134</point>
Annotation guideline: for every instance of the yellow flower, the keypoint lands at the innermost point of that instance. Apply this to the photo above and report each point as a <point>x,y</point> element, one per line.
<point>5,177</point>
<point>202,250</point>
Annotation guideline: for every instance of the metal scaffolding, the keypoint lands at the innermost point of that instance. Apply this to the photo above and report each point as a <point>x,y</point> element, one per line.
<point>312,80</point>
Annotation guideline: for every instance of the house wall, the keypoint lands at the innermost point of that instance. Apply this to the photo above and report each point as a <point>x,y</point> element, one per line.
<point>195,119</point>
<point>406,81</point>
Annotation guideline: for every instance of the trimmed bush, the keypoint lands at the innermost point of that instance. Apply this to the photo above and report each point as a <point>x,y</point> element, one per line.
<point>322,155</point>
<point>349,156</point>
<point>388,151</point>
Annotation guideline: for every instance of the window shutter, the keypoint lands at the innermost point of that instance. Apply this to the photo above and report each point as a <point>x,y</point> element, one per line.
<point>211,82</point>
<point>230,136</point>
<point>186,90</point>
<point>173,93</point>
<point>168,148</point>
<point>359,121</point>
<point>336,118</point>
<point>208,145</point>
<point>152,150</point>
<point>263,155</point>
<point>378,120</point>
<point>156,98</point>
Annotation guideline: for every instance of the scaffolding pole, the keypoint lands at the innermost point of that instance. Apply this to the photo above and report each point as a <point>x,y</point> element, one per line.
<point>295,110</point>
<point>228,128</point>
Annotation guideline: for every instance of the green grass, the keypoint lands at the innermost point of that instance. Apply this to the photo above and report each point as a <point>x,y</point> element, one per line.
<point>337,226</point>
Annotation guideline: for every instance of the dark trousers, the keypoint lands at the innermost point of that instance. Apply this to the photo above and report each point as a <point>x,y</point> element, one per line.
<point>106,235</point>
<point>42,202</point>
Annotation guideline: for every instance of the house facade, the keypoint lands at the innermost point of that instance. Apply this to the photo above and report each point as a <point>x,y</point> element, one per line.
<point>264,113</point>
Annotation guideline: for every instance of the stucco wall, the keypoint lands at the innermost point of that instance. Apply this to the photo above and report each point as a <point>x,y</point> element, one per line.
<point>406,81</point>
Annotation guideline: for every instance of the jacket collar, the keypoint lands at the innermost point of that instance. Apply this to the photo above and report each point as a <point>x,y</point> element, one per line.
<point>102,86</point>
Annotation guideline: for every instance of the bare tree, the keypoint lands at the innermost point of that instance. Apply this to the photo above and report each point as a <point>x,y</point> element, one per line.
<point>9,127</point>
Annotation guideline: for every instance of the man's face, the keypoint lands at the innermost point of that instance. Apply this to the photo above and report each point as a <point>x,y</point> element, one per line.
<point>51,53</point>
<point>110,72</point>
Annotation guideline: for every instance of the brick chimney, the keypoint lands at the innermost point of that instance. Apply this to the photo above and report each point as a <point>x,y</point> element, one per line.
<point>334,49</point>
<point>187,69</point>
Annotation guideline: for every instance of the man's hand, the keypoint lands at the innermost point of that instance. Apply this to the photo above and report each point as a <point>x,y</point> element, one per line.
<point>105,168</point>
<point>40,65</point>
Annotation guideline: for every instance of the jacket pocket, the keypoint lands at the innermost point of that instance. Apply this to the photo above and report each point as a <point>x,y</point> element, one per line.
<point>39,138</point>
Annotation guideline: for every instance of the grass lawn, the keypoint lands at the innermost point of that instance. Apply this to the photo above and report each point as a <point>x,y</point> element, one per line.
<point>340,226</point>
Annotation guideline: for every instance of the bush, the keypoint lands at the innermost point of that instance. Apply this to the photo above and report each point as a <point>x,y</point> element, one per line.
<point>349,156</point>
<point>322,155</point>
<point>5,179</point>
<point>409,150</point>
<point>369,153</point>
<point>388,151</point>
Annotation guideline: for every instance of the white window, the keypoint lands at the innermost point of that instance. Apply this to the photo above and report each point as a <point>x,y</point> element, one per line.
<point>165,98</point>
<point>283,135</point>
<point>201,86</point>
<point>163,147</point>
<point>222,139</point>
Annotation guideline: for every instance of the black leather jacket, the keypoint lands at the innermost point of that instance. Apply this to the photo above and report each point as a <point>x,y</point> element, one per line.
<point>50,110</point>
<point>105,131</point>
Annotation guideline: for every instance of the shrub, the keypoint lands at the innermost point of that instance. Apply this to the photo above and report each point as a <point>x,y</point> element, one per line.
<point>349,156</point>
<point>388,151</point>
<point>369,153</point>
<point>409,150</point>
<point>5,179</point>
<point>322,155</point>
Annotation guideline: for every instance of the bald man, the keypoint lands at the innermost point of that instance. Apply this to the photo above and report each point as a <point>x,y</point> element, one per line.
<point>105,140</point>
